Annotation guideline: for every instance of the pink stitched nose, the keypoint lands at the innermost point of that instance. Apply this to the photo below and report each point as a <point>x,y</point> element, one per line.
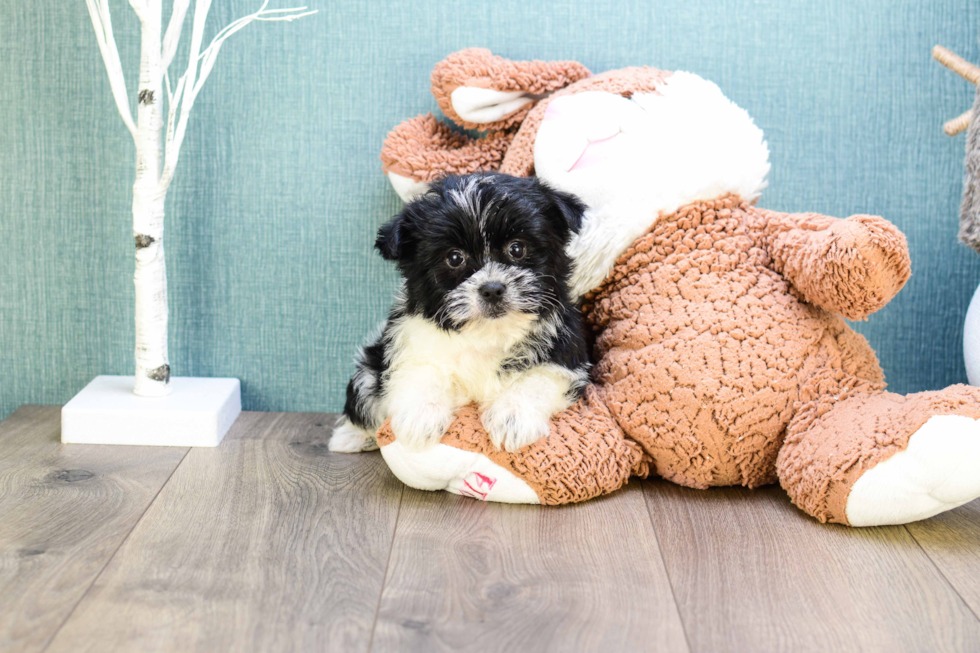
<point>596,152</point>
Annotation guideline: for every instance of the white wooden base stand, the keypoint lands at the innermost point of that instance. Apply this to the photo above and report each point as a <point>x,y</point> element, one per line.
<point>197,413</point>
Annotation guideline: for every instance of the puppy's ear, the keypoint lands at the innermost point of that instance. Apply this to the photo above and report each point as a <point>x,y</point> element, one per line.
<point>566,211</point>
<point>393,237</point>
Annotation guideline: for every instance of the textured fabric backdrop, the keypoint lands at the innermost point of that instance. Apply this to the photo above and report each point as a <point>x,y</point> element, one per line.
<point>273,211</point>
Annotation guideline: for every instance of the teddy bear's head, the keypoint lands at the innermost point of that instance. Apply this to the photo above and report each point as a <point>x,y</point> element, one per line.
<point>633,143</point>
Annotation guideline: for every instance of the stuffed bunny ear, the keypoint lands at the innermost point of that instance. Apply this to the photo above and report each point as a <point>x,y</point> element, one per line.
<point>479,90</point>
<point>423,149</point>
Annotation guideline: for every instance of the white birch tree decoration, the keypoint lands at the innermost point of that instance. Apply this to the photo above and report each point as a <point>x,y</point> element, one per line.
<point>157,152</point>
<point>153,408</point>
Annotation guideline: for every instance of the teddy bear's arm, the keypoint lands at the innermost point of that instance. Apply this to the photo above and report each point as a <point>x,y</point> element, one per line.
<point>850,266</point>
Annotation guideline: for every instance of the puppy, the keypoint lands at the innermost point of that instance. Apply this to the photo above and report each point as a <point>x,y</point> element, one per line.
<point>483,315</point>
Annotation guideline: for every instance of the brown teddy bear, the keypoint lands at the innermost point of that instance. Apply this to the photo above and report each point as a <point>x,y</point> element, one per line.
<point>722,354</point>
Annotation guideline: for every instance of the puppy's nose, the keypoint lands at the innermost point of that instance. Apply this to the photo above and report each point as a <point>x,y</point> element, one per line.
<point>492,292</point>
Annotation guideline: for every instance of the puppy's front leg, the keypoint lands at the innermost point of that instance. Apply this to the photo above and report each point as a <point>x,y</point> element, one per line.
<point>421,406</point>
<point>522,413</point>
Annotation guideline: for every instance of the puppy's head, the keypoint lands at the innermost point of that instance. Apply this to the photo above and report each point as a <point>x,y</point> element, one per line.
<point>483,246</point>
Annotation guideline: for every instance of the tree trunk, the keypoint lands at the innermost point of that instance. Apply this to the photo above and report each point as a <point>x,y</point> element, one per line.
<point>150,278</point>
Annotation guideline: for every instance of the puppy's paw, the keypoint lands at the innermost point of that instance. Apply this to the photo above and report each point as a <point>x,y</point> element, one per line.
<point>347,438</point>
<point>513,426</point>
<point>421,426</point>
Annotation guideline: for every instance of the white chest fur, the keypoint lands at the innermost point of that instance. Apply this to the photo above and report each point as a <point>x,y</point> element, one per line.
<point>432,373</point>
<point>464,364</point>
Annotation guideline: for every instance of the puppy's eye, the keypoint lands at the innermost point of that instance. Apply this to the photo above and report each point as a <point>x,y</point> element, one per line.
<point>516,250</point>
<point>455,259</point>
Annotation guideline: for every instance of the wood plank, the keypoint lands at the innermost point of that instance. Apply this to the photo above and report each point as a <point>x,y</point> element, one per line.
<point>64,511</point>
<point>266,543</point>
<point>752,572</point>
<point>472,576</point>
<point>952,541</point>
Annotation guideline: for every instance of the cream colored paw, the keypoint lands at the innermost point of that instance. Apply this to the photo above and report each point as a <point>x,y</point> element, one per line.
<point>939,470</point>
<point>421,426</point>
<point>347,438</point>
<point>513,426</point>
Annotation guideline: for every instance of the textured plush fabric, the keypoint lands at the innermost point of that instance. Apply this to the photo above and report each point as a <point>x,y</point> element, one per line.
<point>520,157</point>
<point>832,443</point>
<point>851,267</point>
<point>425,149</point>
<point>478,67</point>
<point>714,363</point>
<point>705,350</point>
<point>272,215</point>
<point>584,456</point>
<point>721,350</point>
<point>708,357</point>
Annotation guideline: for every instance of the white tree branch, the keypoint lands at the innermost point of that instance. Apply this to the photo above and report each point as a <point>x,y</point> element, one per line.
<point>209,54</point>
<point>150,187</point>
<point>191,82</point>
<point>102,22</point>
<point>173,101</point>
<point>140,8</point>
<point>174,27</point>
<point>177,124</point>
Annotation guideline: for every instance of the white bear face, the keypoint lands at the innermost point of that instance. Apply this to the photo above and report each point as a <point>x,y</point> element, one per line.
<point>632,159</point>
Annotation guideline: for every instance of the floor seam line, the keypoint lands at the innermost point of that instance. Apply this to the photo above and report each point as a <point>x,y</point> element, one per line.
<point>384,579</point>
<point>95,580</point>
<point>940,572</point>
<point>644,484</point>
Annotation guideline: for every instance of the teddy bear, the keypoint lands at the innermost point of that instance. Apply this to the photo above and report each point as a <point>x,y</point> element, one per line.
<point>722,355</point>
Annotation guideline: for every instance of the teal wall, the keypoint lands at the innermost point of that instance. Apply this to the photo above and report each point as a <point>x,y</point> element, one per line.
<point>279,193</point>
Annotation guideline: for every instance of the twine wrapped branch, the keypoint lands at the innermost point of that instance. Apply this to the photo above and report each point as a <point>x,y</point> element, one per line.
<point>970,205</point>
<point>967,71</point>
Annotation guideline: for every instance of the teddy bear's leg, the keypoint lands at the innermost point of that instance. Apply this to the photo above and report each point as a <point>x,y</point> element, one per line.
<point>879,459</point>
<point>423,149</point>
<point>850,266</point>
<point>479,90</point>
<point>584,455</point>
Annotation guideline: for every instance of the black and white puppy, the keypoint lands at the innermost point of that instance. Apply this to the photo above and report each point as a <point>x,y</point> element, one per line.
<point>483,316</point>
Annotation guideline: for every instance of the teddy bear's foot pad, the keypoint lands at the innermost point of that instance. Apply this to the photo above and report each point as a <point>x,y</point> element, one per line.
<point>939,470</point>
<point>467,473</point>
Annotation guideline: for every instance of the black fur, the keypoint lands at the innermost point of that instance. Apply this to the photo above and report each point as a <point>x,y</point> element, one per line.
<point>372,361</point>
<point>481,215</point>
<point>419,238</point>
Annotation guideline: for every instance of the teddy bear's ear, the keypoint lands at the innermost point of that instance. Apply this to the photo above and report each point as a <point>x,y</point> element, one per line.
<point>423,149</point>
<point>479,90</point>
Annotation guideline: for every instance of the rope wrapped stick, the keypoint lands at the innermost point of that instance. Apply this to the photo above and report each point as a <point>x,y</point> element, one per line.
<point>959,123</point>
<point>967,71</point>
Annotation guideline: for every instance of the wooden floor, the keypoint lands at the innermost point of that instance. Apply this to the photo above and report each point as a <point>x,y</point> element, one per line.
<point>271,543</point>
